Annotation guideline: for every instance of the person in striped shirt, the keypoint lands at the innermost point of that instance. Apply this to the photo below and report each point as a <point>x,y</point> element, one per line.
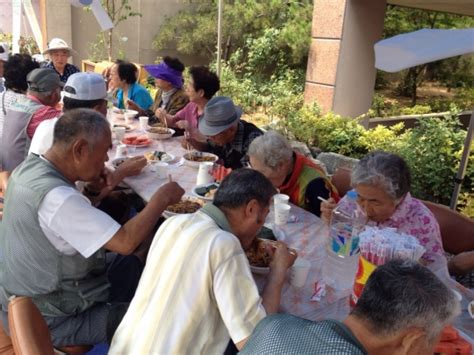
<point>197,290</point>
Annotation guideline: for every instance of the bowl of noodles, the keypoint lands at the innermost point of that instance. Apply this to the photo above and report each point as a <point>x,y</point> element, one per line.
<point>194,158</point>
<point>187,204</point>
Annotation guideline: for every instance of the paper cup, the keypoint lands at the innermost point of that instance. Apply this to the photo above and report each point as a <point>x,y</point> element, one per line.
<point>121,151</point>
<point>204,175</point>
<point>299,272</point>
<point>129,117</point>
<point>119,133</point>
<point>143,122</point>
<point>282,212</point>
<point>281,198</point>
<point>161,169</point>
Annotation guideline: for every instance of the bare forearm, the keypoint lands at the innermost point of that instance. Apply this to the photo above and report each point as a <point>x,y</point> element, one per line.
<point>272,292</point>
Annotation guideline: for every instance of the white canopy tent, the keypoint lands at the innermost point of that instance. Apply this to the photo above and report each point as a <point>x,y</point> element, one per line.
<point>424,46</point>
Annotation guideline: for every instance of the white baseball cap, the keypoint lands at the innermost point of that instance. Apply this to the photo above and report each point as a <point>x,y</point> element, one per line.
<point>4,51</point>
<point>85,86</point>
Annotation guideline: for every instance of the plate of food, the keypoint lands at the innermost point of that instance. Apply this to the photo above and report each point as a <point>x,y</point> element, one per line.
<point>159,156</point>
<point>205,192</point>
<point>127,128</point>
<point>137,141</point>
<point>119,113</point>
<point>159,132</point>
<point>187,204</point>
<point>258,256</point>
<point>194,158</point>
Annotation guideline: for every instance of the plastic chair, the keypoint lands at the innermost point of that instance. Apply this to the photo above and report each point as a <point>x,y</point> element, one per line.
<point>457,231</point>
<point>29,332</point>
<point>342,180</point>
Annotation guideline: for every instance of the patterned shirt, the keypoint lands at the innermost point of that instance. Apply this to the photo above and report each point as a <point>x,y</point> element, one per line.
<point>234,154</point>
<point>69,69</point>
<point>177,101</point>
<point>411,217</point>
<point>280,334</point>
<point>195,292</point>
<point>44,113</point>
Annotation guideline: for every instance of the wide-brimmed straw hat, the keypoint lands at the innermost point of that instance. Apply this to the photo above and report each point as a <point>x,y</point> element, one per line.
<point>58,44</point>
<point>219,114</point>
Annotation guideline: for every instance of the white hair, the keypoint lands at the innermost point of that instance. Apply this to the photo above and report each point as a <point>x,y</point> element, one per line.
<point>271,149</point>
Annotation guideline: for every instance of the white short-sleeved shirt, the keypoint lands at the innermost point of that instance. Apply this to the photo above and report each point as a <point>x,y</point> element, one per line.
<point>72,224</point>
<point>43,137</point>
<point>195,291</point>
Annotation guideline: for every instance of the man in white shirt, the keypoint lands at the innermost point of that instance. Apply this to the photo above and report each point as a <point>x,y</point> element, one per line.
<point>53,239</point>
<point>197,290</point>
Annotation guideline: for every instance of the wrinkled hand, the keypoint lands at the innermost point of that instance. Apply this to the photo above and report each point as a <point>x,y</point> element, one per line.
<point>161,114</point>
<point>171,192</point>
<point>131,167</point>
<point>282,257</point>
<point>326,209</point>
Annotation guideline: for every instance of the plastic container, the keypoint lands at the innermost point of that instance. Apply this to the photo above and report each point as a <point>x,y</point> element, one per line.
<point>343,248</point>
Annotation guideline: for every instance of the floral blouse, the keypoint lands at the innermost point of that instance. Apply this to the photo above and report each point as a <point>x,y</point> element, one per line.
<point>414,218</point>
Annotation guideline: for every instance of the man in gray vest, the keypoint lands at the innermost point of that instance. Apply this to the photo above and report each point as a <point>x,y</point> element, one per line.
<point>22,118</point>
<point>53,239</point>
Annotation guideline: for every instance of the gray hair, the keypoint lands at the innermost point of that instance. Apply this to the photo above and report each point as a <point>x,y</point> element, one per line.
<point>271,149</point>
<point>80,123</point>
<point>241,186</point>
<point>386,170</point>
<point>403,294</point>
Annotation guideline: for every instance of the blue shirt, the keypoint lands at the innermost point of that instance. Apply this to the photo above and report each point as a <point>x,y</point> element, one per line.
<point>138,94</point>
<point>69,69</point>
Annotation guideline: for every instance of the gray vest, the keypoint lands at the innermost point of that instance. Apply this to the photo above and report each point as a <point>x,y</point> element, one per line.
<point>15,142</point>
<point>60,285</point>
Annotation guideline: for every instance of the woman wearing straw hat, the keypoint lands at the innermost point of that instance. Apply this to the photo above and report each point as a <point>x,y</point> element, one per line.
<point>59,52</point>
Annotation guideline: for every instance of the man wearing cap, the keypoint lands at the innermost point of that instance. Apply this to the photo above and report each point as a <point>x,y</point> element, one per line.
<point>24,116</point>
<point>227,135</point>
<point>59,52</point>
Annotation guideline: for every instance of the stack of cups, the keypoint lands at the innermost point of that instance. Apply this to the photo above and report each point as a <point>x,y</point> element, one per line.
<point>282,208</point>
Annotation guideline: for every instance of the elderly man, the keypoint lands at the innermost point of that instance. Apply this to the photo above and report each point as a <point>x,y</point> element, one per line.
<point>24,116</point>
<point>402,310</point>
<point>227,135</point>
<point>59,52</point>
<point>197,288</point>
<point>53,239</point>
<point>291,172</point>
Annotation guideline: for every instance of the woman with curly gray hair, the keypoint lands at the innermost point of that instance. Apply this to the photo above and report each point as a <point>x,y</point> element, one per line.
<point>382,182</point>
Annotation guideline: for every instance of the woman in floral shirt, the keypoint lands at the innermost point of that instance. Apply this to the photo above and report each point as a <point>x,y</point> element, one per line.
<point>382,181</point>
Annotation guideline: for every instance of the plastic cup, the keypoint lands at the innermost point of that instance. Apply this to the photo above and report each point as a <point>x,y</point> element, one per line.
<point>281,198</point>
<point>119,133</point>
<point>282,212</point>
<point>299,272</point>
<point>161,169</point>
<point>204,175</point>
<point>143,122</point>
<point>129,117</point>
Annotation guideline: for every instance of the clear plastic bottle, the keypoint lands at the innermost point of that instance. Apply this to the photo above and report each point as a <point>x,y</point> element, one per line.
<point>343,247</point>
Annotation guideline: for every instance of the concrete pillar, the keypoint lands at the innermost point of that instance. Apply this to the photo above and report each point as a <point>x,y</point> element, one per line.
<point>341,74</point>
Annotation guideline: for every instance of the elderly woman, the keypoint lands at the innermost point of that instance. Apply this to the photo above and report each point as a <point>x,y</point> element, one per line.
<point>382,182</point>
<point>291,172</point>
<point>130,94</point>
<point>59,52</point>
<point>170,97</point>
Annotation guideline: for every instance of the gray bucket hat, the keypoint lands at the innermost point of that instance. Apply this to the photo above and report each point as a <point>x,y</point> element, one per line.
<point>219,114</point>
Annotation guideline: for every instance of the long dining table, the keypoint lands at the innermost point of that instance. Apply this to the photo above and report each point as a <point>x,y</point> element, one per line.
<point>305,232</point>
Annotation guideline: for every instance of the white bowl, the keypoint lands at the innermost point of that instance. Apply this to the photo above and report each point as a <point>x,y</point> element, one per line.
<point>119,114</point>
<point>168,214</point>
<point>195,164</point>
<point>202,197</point>
<point>153,135</point>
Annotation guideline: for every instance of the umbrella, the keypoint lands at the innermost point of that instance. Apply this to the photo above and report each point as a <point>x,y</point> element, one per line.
<point>424,46</point>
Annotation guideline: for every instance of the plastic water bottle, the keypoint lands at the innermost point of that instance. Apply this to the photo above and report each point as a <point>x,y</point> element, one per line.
<point>343,247</point>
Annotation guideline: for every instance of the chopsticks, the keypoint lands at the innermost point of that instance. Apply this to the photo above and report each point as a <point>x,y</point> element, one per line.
<point>273,244</point>
<point>322,199</point>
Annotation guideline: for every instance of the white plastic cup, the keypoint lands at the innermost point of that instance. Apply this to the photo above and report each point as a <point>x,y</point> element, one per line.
<point>281,198</point>
<point>129,117</point>
<point>143,122</point>
<point>299,272</point>
<point>161,169</point>
<point>282,212</point>
<point>204,175</point>
<point>119,133</point>
<point>121,151</point>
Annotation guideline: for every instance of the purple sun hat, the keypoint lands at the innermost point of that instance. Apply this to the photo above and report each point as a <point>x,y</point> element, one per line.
<point>164,72</point>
